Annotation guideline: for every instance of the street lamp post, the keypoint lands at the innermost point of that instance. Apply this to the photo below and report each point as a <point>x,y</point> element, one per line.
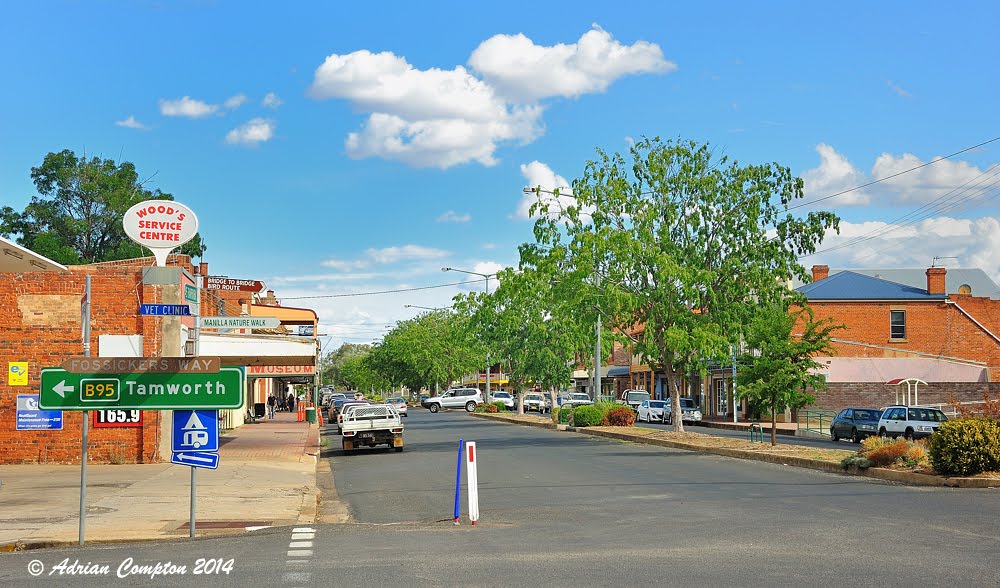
<point>486,277</point>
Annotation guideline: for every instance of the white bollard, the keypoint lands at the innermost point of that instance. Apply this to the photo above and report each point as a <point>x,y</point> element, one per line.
<point>473,477</point>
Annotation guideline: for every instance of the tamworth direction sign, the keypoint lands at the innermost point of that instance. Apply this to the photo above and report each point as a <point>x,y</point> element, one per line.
<point>62,390</point>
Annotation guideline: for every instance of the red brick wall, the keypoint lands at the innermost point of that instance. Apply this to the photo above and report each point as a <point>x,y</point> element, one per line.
<point>40,322</point>
<point>932,328</point>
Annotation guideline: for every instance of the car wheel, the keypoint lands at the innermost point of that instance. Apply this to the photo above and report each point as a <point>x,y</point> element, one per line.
<point>833,434</point>
<point>470,406</point>
<point>854,436</point>
<point>398,449</point>
<point>908,434</point>
<point>883,433</point>
<point>434,407</point>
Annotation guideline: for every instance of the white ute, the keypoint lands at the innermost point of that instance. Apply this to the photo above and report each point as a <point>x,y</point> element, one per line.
<point>368,426</point>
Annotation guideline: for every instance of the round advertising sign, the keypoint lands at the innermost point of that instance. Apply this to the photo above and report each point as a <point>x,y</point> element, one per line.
<point>160,225</point>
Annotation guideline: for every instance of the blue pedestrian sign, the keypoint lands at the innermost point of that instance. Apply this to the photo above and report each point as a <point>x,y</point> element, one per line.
<point>196,459</point>
<point>165,309</point>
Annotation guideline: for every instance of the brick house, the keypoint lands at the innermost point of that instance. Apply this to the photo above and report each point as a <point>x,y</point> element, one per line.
<point>940,331</point>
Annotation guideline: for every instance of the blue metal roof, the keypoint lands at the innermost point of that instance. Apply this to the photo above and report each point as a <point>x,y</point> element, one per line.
<point>848,285</point>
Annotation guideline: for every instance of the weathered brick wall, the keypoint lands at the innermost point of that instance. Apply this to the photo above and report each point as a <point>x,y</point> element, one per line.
<point>40,322</point>
<point>840,395</point>
<point>932,328</point>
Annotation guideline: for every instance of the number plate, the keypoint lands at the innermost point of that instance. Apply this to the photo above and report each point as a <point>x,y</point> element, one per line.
<point>366,435</point>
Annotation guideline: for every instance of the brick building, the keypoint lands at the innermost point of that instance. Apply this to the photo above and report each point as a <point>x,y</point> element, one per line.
<point>940,331</point>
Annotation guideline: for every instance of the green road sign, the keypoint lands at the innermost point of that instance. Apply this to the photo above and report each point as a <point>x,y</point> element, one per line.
<point>62,390</point>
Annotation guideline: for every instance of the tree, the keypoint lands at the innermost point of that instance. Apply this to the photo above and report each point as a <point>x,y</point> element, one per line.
<point>332,363</point>
<point>780,365</point>
<point>682,245</point>
<point>76,217</point>
<point>531,322</point>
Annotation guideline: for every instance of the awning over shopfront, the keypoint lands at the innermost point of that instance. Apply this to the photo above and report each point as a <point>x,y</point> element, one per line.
<point>288,357</point>
<point>617,371</point>
<point>17,259</point>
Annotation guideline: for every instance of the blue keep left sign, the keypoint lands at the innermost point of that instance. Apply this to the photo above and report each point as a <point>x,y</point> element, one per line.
<point>195,430</point>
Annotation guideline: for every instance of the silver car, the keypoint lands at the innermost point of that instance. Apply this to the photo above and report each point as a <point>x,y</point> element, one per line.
<point>536,401</point>
<point>467,398</point>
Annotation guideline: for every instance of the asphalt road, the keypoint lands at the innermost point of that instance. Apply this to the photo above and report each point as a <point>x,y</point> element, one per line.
<point>562,509</point>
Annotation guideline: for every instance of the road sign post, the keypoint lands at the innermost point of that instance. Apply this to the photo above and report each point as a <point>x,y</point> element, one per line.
<point>195,443</point>
<point>61,390</point>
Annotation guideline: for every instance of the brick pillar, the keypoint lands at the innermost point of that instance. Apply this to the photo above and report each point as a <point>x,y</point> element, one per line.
<point>935,280</point>
<point>820,272</point>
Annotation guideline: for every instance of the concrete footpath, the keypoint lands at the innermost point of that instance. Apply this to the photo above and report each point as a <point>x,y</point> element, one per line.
<point>266,477</point>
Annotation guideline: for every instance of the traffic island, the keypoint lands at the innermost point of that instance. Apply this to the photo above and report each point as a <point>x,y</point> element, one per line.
<point>827,460</point>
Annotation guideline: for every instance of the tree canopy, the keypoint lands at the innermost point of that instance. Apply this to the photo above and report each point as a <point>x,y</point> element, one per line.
<point>76,217</point>
<point>682,245</point>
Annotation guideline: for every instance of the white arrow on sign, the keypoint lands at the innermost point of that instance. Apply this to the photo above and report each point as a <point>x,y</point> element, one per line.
<point>194,457</point>
<point>61,389</point>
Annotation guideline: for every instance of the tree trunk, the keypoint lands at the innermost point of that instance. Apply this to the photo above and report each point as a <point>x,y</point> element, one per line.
<point>774,422</point>
<point>520,400</point>
<point>552,404</point>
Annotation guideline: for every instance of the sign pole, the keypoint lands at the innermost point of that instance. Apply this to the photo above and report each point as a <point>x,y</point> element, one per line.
<point>197,341</point>
<point>193,486</point>
<point>86,413</point>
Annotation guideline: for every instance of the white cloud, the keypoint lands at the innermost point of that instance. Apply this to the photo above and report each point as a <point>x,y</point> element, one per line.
<point>271,100</point>
<point>834,174</point>
<point>926,183</point>
<point>452,217</point>
<point>525,72</point>
<point>346,265</point>
<point>975,242</point>
<point>187,107</point>
<point>257,130</point>
<point>445,117</point>
<point>234,102</point>
<point>405,253</point>
<point>538,174</point>
<point>131,123</point>
<point>892,86</point>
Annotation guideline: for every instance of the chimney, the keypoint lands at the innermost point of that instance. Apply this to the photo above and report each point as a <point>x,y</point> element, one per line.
<point>935,280</point>
<point>821,272</point>
<point>203,268</point>
<point>269,300</point>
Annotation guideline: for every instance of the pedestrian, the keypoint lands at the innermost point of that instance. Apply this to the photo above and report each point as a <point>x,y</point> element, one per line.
<point>271,402</point>
<point>291,402</point>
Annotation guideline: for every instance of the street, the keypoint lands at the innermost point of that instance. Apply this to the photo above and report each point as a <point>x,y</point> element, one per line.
<point>564,509</point>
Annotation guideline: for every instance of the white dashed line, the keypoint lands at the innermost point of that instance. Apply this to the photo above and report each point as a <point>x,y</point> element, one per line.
<point>299,554</point>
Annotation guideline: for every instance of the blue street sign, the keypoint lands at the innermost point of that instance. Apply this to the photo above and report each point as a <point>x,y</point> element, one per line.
<point>30,418</point>
<point>165,309</point>
<point>196,459</point>
<point>195,431</point>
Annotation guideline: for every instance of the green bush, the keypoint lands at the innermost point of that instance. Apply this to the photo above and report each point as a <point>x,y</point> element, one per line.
<point>855,460</point>
<point>500,406</point>
<point>966,447</point>
<point>587,416</point>
<point>620,416</point>
<point>565,414</point>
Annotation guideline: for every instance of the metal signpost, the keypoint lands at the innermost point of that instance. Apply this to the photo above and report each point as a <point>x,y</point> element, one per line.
<point>195,443</point>
<point>61,390</point>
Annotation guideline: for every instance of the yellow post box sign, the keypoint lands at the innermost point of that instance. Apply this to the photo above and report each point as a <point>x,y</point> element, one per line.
<point>17,373</point>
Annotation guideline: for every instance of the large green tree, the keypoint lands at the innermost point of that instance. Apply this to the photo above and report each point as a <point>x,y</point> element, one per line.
<point>682,244</point>
<point>780,366</point>
<point>332,364</point>
<point>76,217</point>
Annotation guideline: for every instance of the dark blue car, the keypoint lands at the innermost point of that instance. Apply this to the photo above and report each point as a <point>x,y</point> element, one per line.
<point>855,424</point>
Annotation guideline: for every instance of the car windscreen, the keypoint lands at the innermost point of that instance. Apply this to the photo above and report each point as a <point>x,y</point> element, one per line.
<point>579,397</point>
<point>501,395</point>
<point>867,415</point>
<point>688,403</point>
<point>637,396</point>
<point>657,404</point>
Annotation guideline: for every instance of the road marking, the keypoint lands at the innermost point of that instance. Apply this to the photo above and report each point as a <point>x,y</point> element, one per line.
<point>300,552</point>
<point>299,558</point>
<point>299,536</point>
<point>296,577</point>
<point>298,544</point>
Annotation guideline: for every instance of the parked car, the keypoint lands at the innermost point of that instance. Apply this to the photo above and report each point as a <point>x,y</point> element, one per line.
<point>576,399</point>
<point>689,411</point>
<point>506,398</point>
<point>399,403</point>
<point>467,398</point>
<point>633,398</point>
<point>338,405</point>
<point>912,422</point>
<point>346,409</point>
<point>855,424</point>
<point>536,401</point>
<point>651,410</point>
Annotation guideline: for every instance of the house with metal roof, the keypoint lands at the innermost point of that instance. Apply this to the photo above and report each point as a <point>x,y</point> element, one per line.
<point>900,330</point>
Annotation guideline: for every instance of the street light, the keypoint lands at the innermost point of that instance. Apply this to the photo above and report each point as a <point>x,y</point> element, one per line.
<point>487,278</point>
<point>423,307</point>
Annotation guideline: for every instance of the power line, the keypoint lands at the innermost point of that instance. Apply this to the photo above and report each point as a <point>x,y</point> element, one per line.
<point>380,291</point>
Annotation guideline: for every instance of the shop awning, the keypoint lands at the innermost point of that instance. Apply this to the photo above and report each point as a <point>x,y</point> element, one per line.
<point>618,371</point>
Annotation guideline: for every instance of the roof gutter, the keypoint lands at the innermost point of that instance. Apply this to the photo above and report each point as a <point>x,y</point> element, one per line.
<point>971,318</point>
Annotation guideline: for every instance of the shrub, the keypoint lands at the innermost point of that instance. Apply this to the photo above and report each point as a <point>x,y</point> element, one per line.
<point>622,416</point>
<point>860,461</point>
<point>966,446</point>
<point>500,406</point>
<point>874,442</point>
<point>888,454</point>
<point>565,414</point>
<point>587,416</point>
<point>481,408</point>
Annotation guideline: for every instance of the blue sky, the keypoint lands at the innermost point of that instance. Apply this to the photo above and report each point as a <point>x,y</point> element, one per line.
<point>342,148</point>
